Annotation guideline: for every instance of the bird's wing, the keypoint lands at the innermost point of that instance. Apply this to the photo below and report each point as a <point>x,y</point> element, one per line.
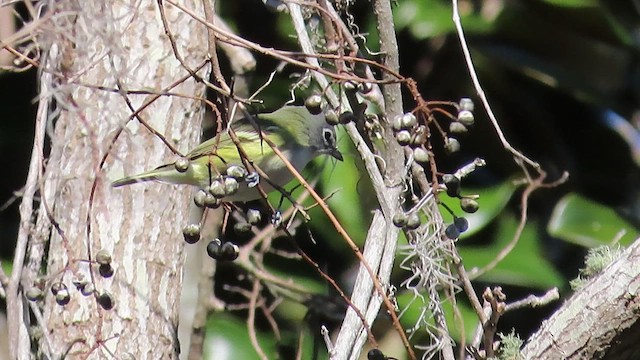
<point>246,134</point>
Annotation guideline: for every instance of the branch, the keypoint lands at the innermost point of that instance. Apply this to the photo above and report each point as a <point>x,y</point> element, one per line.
<point>17,330</point>
<point>483,98</point>
<point>599,321</point>
<point>379,251</point>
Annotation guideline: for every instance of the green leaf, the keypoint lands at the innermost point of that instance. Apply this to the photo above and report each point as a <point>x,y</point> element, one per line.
<point>492,201</point>
<point>281,268</point>
<point>526,265</point>
<point>584,222</point>
<point>227,338</point>
<point>7,267</point>
<point>573,3</point>
<point>351,196</point>
<point>412,307</point>
<point>429,18</point>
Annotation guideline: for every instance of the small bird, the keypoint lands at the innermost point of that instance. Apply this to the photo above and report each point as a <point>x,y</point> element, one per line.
<point>298,134</point>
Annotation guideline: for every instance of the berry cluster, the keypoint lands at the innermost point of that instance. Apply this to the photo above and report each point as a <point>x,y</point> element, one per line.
<point>414,135</point>
<point>221,186</point>
<point>223,251</point>
<point>61,292</point>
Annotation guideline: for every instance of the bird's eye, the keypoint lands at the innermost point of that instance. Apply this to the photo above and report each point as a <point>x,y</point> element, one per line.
<point>327,137</point>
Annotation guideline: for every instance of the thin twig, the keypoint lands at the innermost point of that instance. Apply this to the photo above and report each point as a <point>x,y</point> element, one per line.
<point>480,91</point>
<point>356,250</point>
<point>533,301</point>
<point>467,287</point>
<point>530,301</point>
<point>251,320</point>
<point>532,185</point>
<point>209,14</point>
<point>14,301</point>
<point>172,41</point>
<point>290,57</point>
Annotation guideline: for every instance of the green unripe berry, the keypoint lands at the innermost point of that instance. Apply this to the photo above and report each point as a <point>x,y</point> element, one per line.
<point>237,171</point>
<point>314,104</point>
<point>191,233</point>
<point>213,249</point>
<point>331,117</point>
<point>417,139</point>
<point>413,221</point>
<point>34,294</point>
<point>466,104</point>
<point>103,257</point>
<point>457,128</point>
<point>403,137</point>
<point>452,145</point>
<point>469,205</point>
<point>229,251</point>
<point>217,189</point>
<point>200,198</point>
<point>346,117</point>
<point>231,185</point>
<point>241,227</point>
<point>396,124</point>
<point>466,117</point>
<point>399,219</point>
<point>181,164</point>
<point>421,155</point>
<point>408,121</point>
<point>452,183</point>
<point>211,201</point>
<point>253,216</point>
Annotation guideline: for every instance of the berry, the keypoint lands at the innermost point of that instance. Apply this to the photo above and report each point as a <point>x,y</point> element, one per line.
<point>191,233</point>
<point>469,205</point>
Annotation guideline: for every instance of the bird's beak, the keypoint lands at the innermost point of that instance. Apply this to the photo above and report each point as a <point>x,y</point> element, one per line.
<point>335,153</point>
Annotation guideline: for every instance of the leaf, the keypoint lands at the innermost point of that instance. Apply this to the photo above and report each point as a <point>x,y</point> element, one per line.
<point>430,18</point>
<point>526,265</point>
<point>492,201</point>
<point>227,338</point>
<point>573,3</point>
<point>412,309</point>
<point>351,197</point>
<point>7,267</point>
<point>584,222</point>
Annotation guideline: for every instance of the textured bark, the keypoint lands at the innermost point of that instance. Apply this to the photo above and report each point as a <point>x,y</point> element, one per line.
<point>139,225</point>
<point>600,321</point>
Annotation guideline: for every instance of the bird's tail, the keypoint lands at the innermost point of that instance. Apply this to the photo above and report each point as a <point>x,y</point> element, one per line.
<point>157,174</point>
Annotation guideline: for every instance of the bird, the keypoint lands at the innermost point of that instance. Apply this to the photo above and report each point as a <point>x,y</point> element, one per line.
<point>299,135</point>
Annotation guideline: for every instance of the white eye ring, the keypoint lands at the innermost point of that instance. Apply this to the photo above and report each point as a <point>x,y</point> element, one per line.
<point>327,138</point>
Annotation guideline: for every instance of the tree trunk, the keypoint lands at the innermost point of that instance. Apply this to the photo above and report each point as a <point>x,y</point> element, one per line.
<point>116,45</point>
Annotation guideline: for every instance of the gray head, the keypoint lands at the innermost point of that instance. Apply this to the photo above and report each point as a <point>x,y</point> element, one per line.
<point>304,128</point>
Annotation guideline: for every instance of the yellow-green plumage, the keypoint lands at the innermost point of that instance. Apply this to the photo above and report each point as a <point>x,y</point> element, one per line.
<point>299,135</point>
